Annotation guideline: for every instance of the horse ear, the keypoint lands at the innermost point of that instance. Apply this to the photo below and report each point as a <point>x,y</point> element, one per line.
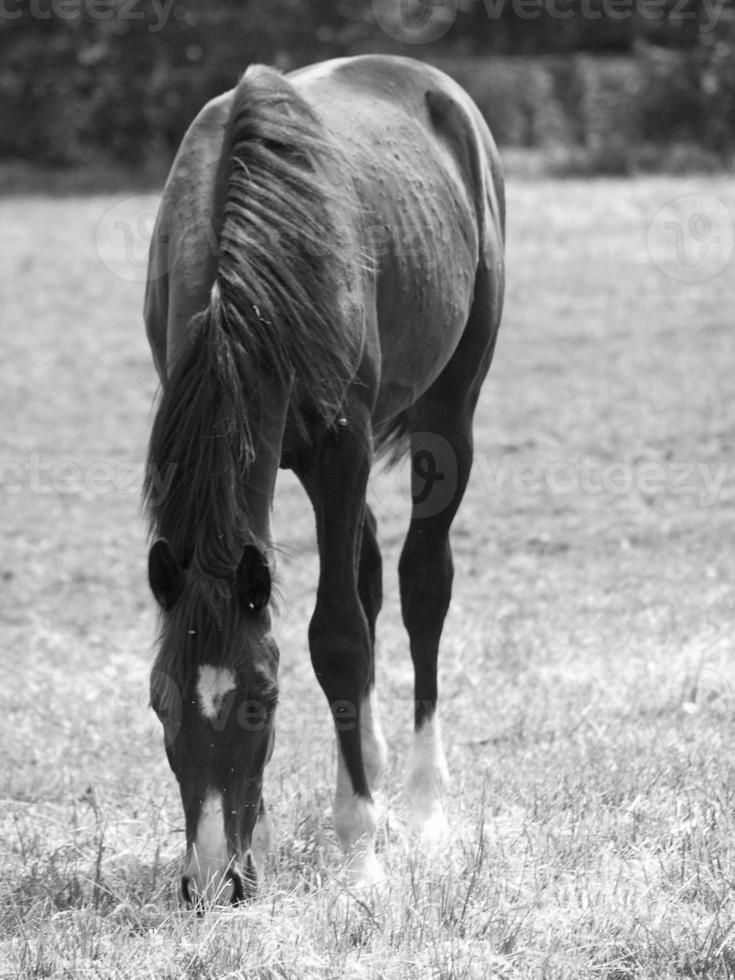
<point>164,574</point>
<point>253,579</point>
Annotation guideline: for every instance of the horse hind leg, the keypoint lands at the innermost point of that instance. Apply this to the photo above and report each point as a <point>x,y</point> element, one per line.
<point>441,459</point>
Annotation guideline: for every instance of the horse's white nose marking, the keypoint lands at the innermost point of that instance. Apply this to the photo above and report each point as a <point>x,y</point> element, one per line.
<point>213,686</point>
<point>209,858</point>
<point>210,842</point>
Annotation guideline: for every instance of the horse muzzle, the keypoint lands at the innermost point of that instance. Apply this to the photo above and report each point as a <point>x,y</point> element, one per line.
<point>204,886</point>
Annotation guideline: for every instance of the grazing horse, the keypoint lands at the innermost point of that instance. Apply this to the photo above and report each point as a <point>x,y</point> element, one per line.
<point>325,285</point>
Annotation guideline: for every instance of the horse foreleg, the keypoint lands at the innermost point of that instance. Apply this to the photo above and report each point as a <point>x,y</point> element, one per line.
<point>335,477</point>
<point>370,589</point>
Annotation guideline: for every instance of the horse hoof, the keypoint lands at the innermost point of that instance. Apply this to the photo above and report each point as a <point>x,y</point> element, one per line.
<point>428,823</point>
<point>364,872</point>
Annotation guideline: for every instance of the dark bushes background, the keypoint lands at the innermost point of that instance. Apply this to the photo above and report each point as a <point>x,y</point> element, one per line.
<point>592,94</point>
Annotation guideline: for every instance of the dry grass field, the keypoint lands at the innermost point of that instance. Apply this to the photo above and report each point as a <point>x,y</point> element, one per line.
<point>587,676</point>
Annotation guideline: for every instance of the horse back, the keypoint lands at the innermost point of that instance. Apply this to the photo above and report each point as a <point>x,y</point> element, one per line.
<point>427,174</point>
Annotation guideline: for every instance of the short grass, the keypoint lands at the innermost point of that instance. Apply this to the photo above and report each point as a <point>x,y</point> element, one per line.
<point>587,677</point>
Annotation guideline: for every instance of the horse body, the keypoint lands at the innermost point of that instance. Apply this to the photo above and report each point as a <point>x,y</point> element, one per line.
<point>415,164</point>
<point>392,162</point>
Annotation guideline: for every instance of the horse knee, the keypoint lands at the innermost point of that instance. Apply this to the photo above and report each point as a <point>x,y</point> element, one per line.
<point>341,660</point>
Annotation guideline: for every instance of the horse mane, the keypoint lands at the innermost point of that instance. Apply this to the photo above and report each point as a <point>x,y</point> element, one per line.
<point>277,309</point>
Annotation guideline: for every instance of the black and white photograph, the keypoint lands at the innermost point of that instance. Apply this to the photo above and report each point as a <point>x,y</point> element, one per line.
<point>367,489</point>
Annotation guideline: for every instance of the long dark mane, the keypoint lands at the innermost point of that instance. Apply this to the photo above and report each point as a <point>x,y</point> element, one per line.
<point>276,309</point>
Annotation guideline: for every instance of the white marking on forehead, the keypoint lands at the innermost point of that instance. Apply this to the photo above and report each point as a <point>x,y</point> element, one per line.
<point>213,686</point>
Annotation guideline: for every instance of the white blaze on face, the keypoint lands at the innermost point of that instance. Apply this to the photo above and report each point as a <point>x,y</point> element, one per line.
<point>213,686</point>
<point>209,859</point>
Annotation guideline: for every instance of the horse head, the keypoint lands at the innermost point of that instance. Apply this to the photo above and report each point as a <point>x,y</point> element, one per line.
<point>214,688</point>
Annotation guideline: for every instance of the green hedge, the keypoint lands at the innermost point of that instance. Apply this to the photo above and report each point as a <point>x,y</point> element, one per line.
<point>659,107</point>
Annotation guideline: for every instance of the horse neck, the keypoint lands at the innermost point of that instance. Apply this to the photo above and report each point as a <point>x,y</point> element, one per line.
<point>207,518</point>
